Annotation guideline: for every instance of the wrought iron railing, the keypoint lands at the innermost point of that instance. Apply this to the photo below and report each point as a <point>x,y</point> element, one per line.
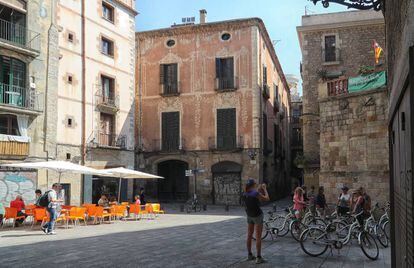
<point>225,143</point>
<point>110,100</point>
<point>170,89</point>
<point>112,140</point>
<point>266,91</point>
<point>21,97</point>
<point>168,145</point>
<point>276,105</point>
<point>226,83</point>
<point>337,87</point>
<point>19,35</point>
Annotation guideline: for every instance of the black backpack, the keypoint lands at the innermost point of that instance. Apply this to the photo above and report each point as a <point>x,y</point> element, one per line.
<point>44,200</point>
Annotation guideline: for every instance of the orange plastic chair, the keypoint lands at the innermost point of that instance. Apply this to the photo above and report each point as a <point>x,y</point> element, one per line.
<point>29,210</point>
<point>39,215</point>
<point>136,210</point>
<point>118,212</point>
<point>11,216</point>
<point>100,215</point>
<point>150,211</point>
<point>157,208</point>
<point>77,214</point>
<point>124,204</point>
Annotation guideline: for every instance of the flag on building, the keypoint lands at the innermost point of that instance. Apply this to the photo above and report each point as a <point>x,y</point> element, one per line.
<point>377,51</point>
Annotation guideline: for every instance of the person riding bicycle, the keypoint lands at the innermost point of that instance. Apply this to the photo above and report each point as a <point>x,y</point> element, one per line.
<point>252,197</point>
<point>298,202</point>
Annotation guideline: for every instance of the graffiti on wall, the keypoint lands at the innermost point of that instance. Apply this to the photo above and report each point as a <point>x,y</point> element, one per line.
<point>227,188</point>
<point>17,183</point>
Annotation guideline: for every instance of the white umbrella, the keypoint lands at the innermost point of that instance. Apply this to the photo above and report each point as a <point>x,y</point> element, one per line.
<point>124,173</point>
<point>58,166</point>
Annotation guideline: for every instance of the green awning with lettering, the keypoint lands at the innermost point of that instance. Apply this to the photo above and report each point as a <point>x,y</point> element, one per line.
<point>367,82</point>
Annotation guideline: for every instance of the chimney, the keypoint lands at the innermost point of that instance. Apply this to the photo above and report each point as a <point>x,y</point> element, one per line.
<point>203,16</point>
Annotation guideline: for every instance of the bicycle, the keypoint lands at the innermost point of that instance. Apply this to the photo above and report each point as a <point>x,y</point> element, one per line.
<point>193,204</point>
<point>316,241</point>
<point>375,228</point>
<point>276,224</point>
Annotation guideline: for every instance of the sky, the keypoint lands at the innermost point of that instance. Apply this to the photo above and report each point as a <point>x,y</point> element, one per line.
<point>281,18</point>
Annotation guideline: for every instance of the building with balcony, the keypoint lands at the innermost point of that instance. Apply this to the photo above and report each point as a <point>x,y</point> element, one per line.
<point>333,45</point>
<point>344,116</point>
<point>96,93</point>
<point>28,91</point>
<point>211,97</point>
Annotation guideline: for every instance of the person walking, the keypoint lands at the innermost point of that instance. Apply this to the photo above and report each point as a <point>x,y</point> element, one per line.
<point>252,197</point>
<point>298,202</point>
<point>344,202</point>
<point>321,202</point>
<point>52,208</point>
<point>142,196</point>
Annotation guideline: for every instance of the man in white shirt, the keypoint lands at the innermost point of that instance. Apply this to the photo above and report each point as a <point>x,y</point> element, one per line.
<point>54,203</point>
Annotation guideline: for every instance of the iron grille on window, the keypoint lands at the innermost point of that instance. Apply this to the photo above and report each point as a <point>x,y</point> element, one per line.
<point>330,48</point>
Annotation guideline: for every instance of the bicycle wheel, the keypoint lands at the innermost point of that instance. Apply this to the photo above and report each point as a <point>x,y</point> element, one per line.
<point>197,207</point>
<point>368,245</point>
<point>280,225</point>
<point>381,236</point>
<point>296,229</point>
<point>314,241</point>
<point>386,227</point>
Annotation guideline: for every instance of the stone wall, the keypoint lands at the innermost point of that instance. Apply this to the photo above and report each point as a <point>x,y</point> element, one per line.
<point>354,144</point>
<point>355,46</point>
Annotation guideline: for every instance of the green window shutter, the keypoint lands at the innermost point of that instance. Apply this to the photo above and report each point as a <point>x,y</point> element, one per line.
<point>170,131</point>
<point>226,128</point>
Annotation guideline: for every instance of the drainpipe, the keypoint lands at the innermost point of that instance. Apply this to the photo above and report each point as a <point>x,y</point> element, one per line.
<point>83,123</point>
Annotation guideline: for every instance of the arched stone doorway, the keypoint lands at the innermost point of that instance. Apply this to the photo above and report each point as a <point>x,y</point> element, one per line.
<point>226,183</point>
<point>175,185</point>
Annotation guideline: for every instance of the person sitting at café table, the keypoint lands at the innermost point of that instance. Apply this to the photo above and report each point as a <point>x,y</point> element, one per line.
<point>113,201</point>
<point>19,205</point>
<point>103,201</point>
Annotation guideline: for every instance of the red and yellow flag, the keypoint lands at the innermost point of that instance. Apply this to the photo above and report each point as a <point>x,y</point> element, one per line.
<point>377,51</point>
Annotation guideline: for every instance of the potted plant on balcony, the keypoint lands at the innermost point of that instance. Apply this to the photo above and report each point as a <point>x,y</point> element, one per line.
<point>300,161</point>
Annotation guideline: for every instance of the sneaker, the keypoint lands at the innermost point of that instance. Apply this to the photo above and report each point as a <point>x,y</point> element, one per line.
<point>44,229</point>
<point>260,260</point>
<point>250,257</point>
<point>51,233</point>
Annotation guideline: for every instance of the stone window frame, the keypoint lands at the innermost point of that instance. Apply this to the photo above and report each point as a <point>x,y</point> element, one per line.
<point>223,33</point>
<point>103,36</point>
<point>338,44</point>
<point>70,119</point>
<point>68,77</point>
<point>68,36</point>
<point>106,3</point>
<point>110,76</point>
<point>169,39</point>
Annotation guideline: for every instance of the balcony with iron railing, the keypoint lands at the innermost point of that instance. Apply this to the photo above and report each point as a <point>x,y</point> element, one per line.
<point>107,102</point>
<point>170,89</point>
<point>276,105</point>
<point>266,91</point>
<point>337,87</point>
<point>17,36</point>
<point>223,84</point>
<point>168,145</point>
<point>20,98</point>
<point>111,140</point>
<point>226,143</point>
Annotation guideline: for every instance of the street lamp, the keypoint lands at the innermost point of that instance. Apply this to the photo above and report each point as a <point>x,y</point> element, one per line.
<point>357,4</point>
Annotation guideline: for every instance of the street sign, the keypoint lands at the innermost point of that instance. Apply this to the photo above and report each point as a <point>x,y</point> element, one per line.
<point>188,173</point>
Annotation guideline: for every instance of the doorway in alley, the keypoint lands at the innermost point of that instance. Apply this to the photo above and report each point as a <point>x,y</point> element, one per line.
<point>174,186</point>
<point>226,183</point>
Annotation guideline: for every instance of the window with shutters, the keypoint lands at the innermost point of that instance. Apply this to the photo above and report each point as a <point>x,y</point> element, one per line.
<point>108,12</point>
<point>170,131</point>
<point>107,46</point>
<point>169,79</point>
<point>225,79</point>
<point>330,48</point>
<point>265,145</point>
<point>12,81</point>
<point>264,75</point>
<point>226,129</point>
